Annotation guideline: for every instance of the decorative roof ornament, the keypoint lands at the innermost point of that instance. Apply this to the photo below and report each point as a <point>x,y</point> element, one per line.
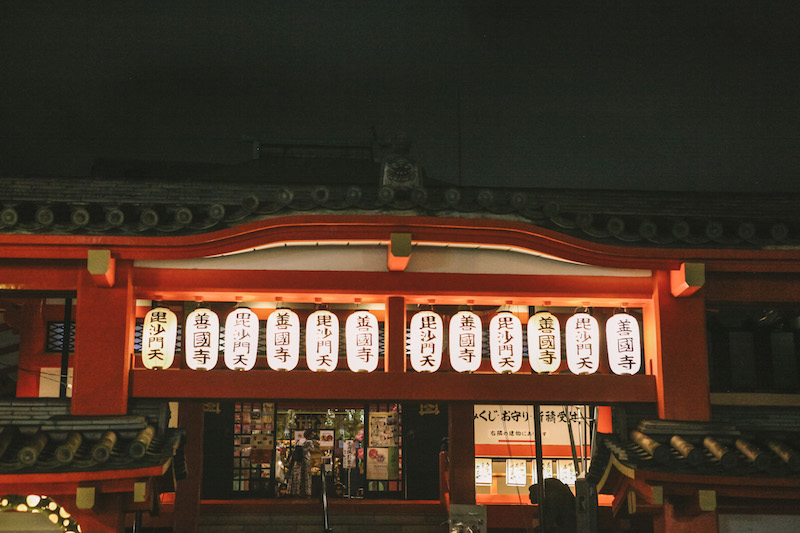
<point>398,169</point>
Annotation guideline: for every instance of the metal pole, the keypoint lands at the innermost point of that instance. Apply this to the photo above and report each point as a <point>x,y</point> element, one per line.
<point>572,442</point>
<point>137,522</point>
<point>325,524</point>
<point>537,429</point>
<point>65,337</point>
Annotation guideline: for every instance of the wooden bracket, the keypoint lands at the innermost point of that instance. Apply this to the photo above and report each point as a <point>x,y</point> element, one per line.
<point>85,497</point>
<point>688,279</point>
<point>707,500</point>
<point>140,491</point>
<point>399,252</point>
<point>102,267</point>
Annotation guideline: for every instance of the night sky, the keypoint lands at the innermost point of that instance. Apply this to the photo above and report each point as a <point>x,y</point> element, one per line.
<point>590,94</point>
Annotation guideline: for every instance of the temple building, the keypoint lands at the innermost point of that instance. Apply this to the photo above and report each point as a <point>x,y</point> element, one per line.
<point>171,333</point>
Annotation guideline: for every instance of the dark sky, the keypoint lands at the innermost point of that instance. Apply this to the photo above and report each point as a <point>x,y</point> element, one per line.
<point>597,94</point>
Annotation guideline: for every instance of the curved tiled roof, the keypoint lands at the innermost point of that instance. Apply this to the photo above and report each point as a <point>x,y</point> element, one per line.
<point>93,206</point>
<point>712,449</point>
<point>40,436</point>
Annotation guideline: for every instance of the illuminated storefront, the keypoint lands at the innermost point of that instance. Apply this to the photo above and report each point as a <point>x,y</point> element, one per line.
<point>414,348</point>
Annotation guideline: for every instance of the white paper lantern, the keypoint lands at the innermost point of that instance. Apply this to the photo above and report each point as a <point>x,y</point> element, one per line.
<point>362,338</point>
<point>583,343</point>
<point>283,339</point>
<point>201,339</point>
<point>505,342</point>
<point>426,341</point>
<point>544,342</point>
<point>241,339</point>
<point>322,341</point>
<point>624,344</point>
<point>466,341</point>
<point>159,331</point>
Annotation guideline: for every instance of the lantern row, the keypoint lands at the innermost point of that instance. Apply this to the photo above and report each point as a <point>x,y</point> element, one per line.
<point>425,346</point>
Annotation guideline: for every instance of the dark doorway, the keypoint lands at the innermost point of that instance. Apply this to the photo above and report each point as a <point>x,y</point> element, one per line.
<point>424,430</point>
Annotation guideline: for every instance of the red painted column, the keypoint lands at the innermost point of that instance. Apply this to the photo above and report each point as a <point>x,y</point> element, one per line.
<point>461,450</point>
<point>604,419</point>
<point>675,520</point>
<point>104,323</point>
<point>675,340</point>
<point>395,332</point>
<point>191,418</point>
<point>31,327</point>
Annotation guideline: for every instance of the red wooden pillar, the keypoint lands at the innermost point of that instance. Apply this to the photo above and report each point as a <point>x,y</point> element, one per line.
<point>461,450</point>
<point>395,332</point>
<point>30,324</point>
<point>104,322</point>
<point>187,493</point>
<point>675,339</point>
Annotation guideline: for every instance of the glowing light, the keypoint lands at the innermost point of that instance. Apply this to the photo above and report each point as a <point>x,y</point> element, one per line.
<point>159,331</point>
<point>283,339</point>
<point>241,339</point>
<point>583,343</point>
<point>201,338</point>
<point>362,339</point>
<point>322,341</point>
<point>505,342</point>
<point>33,500</point>
<point>544,342</point>
<point>426,341</point>
<point>466,341</point>
<point>623,344</point>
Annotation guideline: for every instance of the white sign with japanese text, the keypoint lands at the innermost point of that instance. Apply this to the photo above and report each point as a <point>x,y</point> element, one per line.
<point>483,472</point>
<point>508,430</point>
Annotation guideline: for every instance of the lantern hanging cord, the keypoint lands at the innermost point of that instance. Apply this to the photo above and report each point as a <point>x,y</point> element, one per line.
<point>41,376</point>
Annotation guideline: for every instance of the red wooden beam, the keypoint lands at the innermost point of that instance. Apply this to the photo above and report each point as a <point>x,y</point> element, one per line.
<point>34,275</point>
<point>416,287</point>
<point>313,228</point>
<point>346,385</point>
